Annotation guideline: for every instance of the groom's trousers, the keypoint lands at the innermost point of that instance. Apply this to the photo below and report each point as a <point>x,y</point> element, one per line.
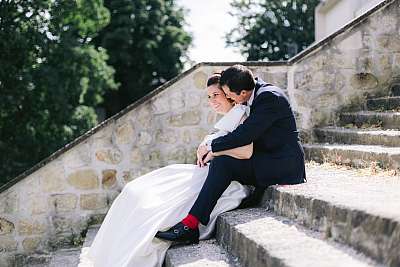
<point>222,171</point>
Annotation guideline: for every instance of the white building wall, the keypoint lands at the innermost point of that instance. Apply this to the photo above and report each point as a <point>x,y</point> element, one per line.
<point>331,15</point>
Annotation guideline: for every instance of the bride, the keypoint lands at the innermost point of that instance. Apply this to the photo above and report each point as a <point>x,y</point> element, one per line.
<point>160,199</point>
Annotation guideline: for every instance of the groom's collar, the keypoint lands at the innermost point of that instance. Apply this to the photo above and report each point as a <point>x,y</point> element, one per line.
<point>250,101</point>
<point>258,83</point>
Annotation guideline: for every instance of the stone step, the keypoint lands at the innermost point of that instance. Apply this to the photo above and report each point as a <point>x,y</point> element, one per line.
<point>206,253</point>
<point>62,257</point>
<point>65,258</point>
<point>259,238</point>
<point>384,120</point>
<point>349,206</point>
<point>91,234</point>
<point>341,135</point>
<point>384,103</point>
<point>359,156</point>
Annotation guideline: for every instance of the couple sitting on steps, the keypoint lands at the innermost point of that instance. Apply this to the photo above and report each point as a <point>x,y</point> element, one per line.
<point>256,143</point>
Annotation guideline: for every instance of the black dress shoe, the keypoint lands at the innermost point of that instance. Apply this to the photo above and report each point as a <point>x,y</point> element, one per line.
<point>180,234</point>
<point>253,199</point>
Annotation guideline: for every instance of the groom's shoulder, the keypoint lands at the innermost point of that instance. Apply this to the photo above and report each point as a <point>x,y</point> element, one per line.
<point>268,91</point>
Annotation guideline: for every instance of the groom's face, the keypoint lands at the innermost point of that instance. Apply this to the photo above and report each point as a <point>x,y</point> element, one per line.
<point>238,98</point>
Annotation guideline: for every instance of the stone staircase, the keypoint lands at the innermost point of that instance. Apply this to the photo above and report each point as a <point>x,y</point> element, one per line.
<point>362,138</point>
<point>336,219</point>
<point>340,217</point>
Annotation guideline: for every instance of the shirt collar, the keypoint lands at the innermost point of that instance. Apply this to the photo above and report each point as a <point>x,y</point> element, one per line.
<point>250,101</point>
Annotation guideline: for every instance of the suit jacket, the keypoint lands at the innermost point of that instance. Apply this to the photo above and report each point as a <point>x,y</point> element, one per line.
<point>278,156</point>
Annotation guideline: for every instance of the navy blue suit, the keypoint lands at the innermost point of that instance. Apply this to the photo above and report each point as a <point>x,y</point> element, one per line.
<point>278,157</point>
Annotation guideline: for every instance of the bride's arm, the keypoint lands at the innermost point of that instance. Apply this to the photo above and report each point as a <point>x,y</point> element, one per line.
<point>243,152</point>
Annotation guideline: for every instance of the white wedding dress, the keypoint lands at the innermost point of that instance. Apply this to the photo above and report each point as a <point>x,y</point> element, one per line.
<point>157,201</point>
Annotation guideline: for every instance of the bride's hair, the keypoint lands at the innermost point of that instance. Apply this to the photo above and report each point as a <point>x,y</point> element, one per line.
<point>214,79</point>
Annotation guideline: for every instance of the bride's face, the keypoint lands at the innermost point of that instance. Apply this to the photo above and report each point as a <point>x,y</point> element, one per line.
<point>217,99</point>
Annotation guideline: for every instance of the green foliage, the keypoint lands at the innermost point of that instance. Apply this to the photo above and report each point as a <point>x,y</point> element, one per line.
<point>51,77</point>
<point>272,29</point>
<point>147,46</point>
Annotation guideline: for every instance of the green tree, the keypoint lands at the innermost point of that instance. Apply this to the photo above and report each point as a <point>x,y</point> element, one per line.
<point>147,46</point>
<point>51,77</point>
<point>272,29</point>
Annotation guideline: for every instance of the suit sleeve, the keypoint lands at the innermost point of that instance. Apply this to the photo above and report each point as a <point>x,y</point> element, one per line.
<point>265,112</point>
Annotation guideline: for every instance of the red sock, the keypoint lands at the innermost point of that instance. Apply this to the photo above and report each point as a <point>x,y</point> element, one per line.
<point>191,221</point>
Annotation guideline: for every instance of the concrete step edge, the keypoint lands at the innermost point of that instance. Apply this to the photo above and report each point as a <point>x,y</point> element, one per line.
<point>342,135</point>
<point>358,156</point>
<point>384,98</point>
<point>376,235</point>
<point>259,238</point>
<point>206,253</point>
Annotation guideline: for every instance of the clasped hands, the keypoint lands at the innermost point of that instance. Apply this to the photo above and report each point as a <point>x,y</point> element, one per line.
<point>203,156</point>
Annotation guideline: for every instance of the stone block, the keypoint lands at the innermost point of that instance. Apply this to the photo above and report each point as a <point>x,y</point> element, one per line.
<point>77,157</point>
<point>37,203</point>
<point>176,101</point>
<point>167,136</point>
<point>145,138</point>
<point>110,156</point>
<point>84,179</point>
<point>136,156</point>
<point>30,244</point>
<point>188,118</point>
<point>124,134</point>
<point>109,178</point>
<point>127,176</point>
<point>160,105</point>
<point>62,224</point>
<point>7,244</point>
<point>93,201</point>
<point>30,227</point>
<point>177,155</point>
<point>8,203</point>
<point>63,202</point>
<point>6,226</point>
<point>52,178</point>
<point>200,80</point>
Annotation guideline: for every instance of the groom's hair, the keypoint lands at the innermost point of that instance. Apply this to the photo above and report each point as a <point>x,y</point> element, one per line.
<point>237,78</point>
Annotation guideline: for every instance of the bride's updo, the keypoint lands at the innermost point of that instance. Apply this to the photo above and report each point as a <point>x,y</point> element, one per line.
<point>214,79</point>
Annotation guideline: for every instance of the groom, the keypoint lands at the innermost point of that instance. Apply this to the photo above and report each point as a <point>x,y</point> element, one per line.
<point>278,157</point>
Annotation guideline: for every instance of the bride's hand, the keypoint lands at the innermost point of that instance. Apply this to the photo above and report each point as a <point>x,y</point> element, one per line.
<point>208,158</point>
<point>201,152</point>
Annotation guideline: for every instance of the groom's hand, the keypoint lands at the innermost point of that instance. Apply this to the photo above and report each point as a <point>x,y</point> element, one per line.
<point>207,158</point>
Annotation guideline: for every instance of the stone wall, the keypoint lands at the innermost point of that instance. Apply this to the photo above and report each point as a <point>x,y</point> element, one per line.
<point>362,58</point>
<point>51,207</point>
<point>52,204</point>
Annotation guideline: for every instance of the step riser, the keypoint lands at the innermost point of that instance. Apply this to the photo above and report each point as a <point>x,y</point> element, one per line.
<point>383,104</point>
<point>376,237</point>
<point>395,90</point>
<point>332,137</point>
<point>385,121</point>
<point>352,158</point>
<point>247,251</point>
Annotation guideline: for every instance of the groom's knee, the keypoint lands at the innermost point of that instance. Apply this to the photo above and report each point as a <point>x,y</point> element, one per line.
<point>222,160</point>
